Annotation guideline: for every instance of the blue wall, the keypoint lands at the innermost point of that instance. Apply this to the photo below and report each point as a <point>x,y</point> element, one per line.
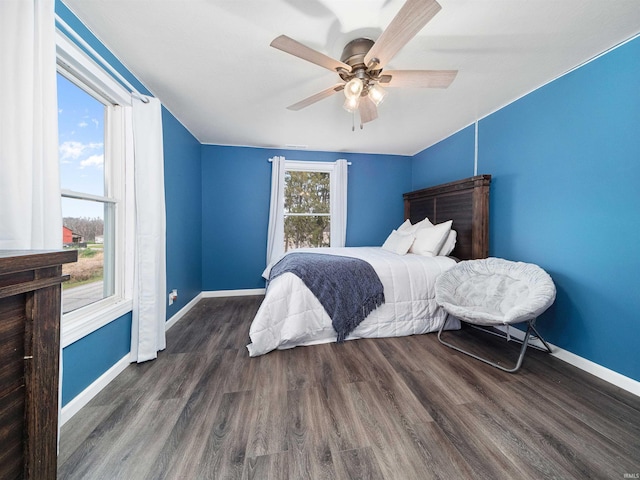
<point>183,198</point>
<point>91,356</point>
<point>447,161</point>
<point>565,194</point>
<point>236,182</point>
<point>87,359</point>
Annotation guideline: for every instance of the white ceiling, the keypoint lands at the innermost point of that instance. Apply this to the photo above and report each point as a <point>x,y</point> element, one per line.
<point>210,63</point>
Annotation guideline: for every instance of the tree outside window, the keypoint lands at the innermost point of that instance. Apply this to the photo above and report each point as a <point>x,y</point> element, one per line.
<point>307,213</point>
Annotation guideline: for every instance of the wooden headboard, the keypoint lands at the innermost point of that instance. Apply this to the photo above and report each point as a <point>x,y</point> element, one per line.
<point>466,202</point>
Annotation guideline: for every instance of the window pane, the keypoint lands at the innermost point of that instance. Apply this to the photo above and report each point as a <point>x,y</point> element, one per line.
<point>80,139</point>
<point>84,229</point>
<point>306,192</point>
<point>306,231</point>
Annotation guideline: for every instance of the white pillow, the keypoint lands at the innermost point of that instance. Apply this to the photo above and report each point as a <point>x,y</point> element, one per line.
<point>419,226</point>
<point>449,244</point>
<point>408,227</point>
<point>398,242</point>
<point>429,241</point>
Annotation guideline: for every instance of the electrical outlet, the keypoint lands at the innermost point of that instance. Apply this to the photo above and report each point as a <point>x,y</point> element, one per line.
<point>173,296</point>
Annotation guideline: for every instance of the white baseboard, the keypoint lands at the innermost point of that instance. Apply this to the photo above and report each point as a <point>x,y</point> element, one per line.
<point>233,293</point>
<point>210,294</point>
<point>71,408</point>
<point>614,378</point>
<point>182,312</point>
<point>625,383</point>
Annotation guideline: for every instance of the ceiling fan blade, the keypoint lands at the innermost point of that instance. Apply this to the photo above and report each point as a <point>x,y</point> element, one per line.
<point>368,110</point>
<point>413,15</point>
<point>293,47</point>
<point>418,78</point>
<point>316,98</point>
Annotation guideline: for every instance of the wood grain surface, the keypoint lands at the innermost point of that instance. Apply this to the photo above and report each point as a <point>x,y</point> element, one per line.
<point>397,408</point>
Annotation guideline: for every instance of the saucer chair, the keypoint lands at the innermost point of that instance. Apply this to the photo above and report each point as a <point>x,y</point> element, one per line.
<point>494,292</point>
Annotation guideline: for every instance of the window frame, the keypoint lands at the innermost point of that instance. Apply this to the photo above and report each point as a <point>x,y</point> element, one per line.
<point>79,68</point>
<point>319,167</point>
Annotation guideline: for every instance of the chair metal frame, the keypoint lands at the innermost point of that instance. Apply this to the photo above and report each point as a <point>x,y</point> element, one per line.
<point>525,343</point>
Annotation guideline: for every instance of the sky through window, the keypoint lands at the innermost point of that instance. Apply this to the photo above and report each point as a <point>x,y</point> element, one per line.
<point>80,147</point>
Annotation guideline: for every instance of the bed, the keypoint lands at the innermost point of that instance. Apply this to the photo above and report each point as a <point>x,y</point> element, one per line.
<point>290,315</point>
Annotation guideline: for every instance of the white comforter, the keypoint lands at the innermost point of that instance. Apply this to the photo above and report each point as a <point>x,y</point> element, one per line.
<point>291,315</point>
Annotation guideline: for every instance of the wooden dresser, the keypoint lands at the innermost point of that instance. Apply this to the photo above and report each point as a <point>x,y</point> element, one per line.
<point>30,296</point>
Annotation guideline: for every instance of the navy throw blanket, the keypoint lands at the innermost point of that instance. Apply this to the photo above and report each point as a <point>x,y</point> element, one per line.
<point>348,288</point>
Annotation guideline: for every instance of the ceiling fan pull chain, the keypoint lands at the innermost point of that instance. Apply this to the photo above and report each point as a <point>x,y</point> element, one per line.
<point>353,121</point>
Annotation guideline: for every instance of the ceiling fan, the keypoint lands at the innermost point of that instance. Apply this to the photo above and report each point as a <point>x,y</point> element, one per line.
<point>361,65</point>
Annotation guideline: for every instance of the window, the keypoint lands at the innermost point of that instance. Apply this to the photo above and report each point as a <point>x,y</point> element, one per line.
<point>92,133</point>
<point>85,196</point>
<point>307,211</point>
<point>314,204</point>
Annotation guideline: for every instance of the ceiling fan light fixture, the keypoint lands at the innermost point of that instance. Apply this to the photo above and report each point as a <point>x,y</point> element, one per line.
<point>351,104</point>
<point>363,61</point>
<point>377,94</point>
<point>353,88</point>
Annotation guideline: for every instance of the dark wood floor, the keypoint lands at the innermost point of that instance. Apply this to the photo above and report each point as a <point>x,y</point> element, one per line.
<point>399,408</point>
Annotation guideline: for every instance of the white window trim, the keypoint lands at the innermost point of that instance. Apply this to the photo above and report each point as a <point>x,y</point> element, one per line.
<point>80,323</point>
<point>74,60</point>
<point>83,321</point>
<point>304,166</point>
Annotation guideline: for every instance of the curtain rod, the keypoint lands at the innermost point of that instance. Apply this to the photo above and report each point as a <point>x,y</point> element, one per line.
<point>310,161</point>
<point>139,96</point>
<point>99,58</point>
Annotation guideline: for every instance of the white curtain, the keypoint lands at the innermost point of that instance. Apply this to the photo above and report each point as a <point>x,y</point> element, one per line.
<point>149,310</point>
<point>275,233</point>
<point>339,204</point>
<point>30,206</point>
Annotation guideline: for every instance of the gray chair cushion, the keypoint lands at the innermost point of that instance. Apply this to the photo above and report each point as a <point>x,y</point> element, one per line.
<point>495,291</point>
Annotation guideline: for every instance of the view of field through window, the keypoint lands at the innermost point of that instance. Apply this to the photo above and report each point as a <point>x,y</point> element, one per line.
<point>81,141</point>
<point>307,214</point>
